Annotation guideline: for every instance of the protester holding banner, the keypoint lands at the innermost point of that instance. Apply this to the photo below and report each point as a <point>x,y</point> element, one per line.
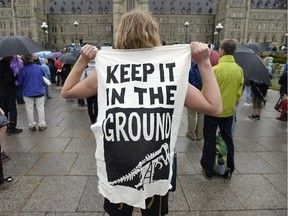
<point>141,87</point>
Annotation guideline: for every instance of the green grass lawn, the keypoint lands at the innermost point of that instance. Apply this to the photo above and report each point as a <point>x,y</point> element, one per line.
<point>275,85</point>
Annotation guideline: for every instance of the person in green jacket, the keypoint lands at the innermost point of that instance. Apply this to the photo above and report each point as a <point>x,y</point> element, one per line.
<point>230,78</point>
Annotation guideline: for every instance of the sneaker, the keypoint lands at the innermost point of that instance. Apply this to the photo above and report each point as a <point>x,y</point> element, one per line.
<point>82,105</point>
<point>7,182</point>
<point>205,175</point>
<point>254,117</point>
<point>280,119</point>
<point>246,104</point>
<point>14,131</point>
<point>32,128</point>
<point>4,157</point>
<point>42,128</point>
<point>227,175</point>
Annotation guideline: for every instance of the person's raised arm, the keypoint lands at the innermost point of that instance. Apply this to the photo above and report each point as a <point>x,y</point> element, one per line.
<point>74,87</point>
<point>209,101</point>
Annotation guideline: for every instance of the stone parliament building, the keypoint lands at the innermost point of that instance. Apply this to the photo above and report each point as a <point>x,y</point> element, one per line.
<point>180,21</point>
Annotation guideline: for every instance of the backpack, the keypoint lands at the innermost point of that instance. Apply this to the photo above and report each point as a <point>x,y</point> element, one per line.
<point>220,165</point>
<point>194,76</point>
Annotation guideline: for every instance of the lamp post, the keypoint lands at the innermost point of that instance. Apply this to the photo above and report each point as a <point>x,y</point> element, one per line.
<point>186,24</point>
<point>44,27</point>
<point>76,23</point>
<point>286,40</point>
<point>219,28</point>
<point>215,39</point>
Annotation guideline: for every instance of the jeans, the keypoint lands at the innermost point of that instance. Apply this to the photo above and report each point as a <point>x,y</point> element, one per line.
<point>46,90</point>
<point>209,149</point>
<point>81,101</point>
<point>234,117</point>
<point>248,94</point>
<point>19,96</point>
<point>29,105</point>
<point>53,75</point>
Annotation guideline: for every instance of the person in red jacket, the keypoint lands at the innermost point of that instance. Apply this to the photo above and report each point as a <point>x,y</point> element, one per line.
<point>283,109</point>
<point>58,64</point>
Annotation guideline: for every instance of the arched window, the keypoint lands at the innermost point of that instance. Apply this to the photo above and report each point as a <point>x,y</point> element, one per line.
<point>156,9</point>
<point>183,10</point>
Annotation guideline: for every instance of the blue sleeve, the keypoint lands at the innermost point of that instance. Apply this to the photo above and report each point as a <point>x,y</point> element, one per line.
<point>191,77</point>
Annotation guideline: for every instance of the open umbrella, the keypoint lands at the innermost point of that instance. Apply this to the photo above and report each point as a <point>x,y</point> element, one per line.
<point>253,65</point>
<point>256,47</point>
<point>43,54</point>
<point>18,45</point>
<point>54,55</point>
<point>76,54</point>
<point>68,58</point>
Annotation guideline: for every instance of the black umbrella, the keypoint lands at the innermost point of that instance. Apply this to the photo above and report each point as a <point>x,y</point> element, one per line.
<point>76,54</point>
<point>253,66</point>
<point>18,45</point>
<point>68,58</point>
<point>256,47</point>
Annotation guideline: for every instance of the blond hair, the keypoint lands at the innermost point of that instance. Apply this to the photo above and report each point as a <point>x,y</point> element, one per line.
<point>137,29</point>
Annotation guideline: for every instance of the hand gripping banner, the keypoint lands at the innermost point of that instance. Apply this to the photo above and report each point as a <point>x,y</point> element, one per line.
<point>140,100</point>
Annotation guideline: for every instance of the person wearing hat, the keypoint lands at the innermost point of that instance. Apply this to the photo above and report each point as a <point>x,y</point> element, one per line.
<point>8,94</point>
<point>31,79</point>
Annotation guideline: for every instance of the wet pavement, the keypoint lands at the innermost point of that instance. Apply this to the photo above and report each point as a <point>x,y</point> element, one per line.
<point>56,168</point>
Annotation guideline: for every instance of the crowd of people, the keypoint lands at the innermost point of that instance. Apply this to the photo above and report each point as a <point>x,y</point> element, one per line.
<point>216,83</point>
<point>25,80</point>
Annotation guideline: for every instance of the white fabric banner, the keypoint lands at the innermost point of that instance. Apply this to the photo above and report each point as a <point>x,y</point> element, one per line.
<point>141,94</point>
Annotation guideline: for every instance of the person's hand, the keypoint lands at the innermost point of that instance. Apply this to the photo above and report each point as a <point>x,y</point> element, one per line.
<point>88,52</point>
<point>199,51</point>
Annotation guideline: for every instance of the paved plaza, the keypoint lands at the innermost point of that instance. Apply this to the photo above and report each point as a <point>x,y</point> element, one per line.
<point>56,168</point>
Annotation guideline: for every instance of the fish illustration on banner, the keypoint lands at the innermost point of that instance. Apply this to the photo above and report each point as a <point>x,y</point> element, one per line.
<point>141,95</point>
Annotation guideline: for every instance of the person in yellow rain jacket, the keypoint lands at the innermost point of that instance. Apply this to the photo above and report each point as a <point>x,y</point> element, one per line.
<point>230,78</point>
